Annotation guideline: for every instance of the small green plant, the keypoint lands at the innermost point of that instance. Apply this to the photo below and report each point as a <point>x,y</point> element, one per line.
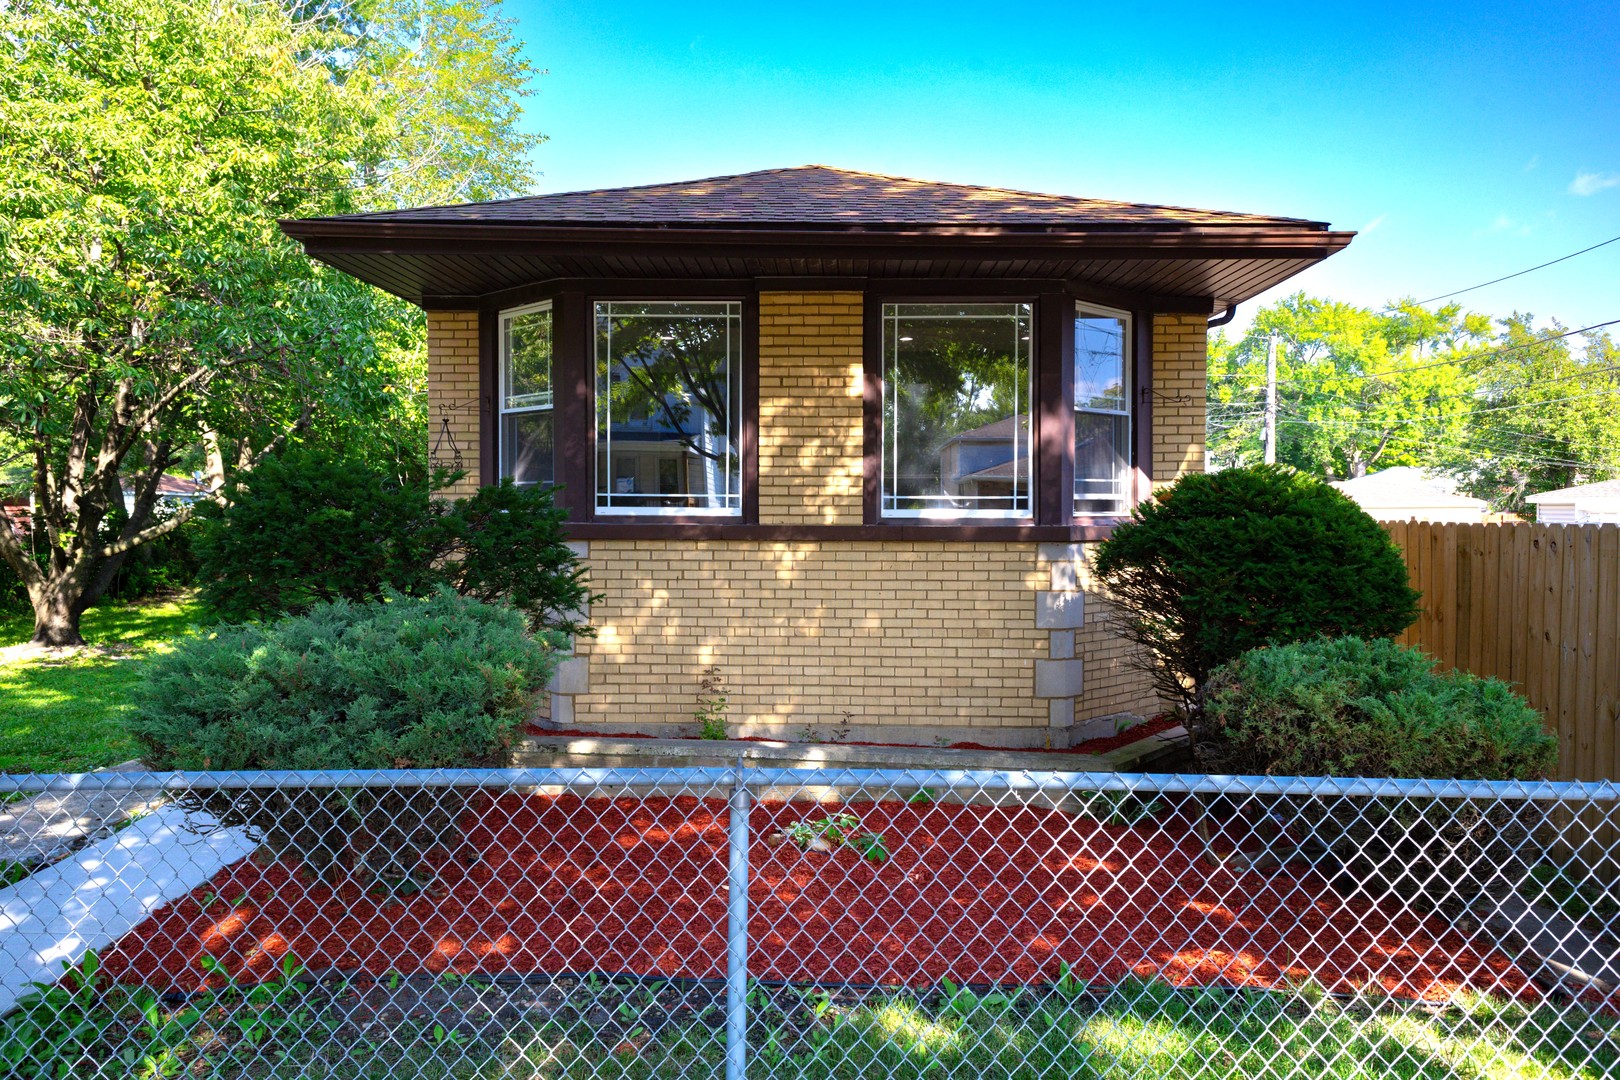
<point>962,1002</point>
<point>836,831</point>
<point>711,708</point>
<point>921,797</point>
<point>1119,808</point>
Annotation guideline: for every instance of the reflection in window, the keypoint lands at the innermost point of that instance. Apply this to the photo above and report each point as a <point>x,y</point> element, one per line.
<point>526,446</point>
<point>668,402</point>
<point>956,386</point>
<point>1102,419</point>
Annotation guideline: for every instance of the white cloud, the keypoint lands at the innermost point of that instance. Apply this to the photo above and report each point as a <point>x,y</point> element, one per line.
<point>1590,183</point>
<point>1373,224</point>
<point>1505,224</point>
<point>1535,159</point>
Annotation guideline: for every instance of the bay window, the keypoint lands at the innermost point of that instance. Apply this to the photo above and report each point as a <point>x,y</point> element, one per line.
<point>956,408</point>
<point>1102,412</point>
<point>526,437</point>
<point>668,406</point>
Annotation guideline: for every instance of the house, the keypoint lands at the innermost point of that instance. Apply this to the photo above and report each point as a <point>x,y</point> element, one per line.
<point>173,492</point>
<point>1405,493</point>
<point>1581,504</point>
<point>846,437</point>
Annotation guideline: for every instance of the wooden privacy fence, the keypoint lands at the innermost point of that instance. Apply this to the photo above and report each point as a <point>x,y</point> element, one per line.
<point>1537,606</point>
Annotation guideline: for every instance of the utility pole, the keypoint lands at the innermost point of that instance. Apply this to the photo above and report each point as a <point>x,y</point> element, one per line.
<point>1271,400</point>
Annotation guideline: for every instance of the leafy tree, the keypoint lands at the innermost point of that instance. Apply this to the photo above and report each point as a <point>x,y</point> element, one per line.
<point>1356,389</point>
<point>1545,417</point>
<point>1219,563</point>
<point>151,313</point>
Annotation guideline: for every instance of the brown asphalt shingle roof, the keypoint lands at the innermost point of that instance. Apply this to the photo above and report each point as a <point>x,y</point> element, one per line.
<point>817,195</point>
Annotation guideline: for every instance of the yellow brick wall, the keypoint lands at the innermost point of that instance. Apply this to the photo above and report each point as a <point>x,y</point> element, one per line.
<point>899,635</point>
<point>810,384</point>
<point>1180,355</point>
<point>453,391</point>
<point>1113,683</point>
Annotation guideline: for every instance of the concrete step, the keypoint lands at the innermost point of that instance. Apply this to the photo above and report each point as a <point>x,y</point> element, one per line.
<point>588,752</point>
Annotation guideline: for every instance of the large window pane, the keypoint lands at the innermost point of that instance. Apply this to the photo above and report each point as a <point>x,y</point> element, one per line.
<point>956,385</point>
<point>528,359</point>
<point>526,447</point>
<point>1101,463</point>
<point>1102,421</point>
<point>525,398</point>
<point>668,402</point>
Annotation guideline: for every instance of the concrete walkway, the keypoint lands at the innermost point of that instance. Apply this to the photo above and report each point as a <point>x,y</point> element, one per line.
<point>92,898</point>
<point>44,827</point>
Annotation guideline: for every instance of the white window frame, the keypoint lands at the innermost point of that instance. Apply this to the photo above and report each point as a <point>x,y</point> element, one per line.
<point>501,370</point>
<point>1128,360</point>
<point>890,439</point>
<point>603,501</point>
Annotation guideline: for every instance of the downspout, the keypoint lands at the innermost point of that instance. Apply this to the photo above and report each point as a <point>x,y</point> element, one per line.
<point>1224,317</point>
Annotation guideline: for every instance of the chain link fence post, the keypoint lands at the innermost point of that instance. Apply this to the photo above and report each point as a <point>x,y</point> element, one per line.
<point>737,932</point>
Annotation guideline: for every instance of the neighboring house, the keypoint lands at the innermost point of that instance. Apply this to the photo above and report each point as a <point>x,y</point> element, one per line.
<point>173,492</point>
<point>847,437</point>
<point>1581,504</point>
<point>1406,492</point>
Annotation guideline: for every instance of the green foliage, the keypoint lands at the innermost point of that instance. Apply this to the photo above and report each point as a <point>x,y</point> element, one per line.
<point>1217,564</point>
<point>1351,707</point>
<point>151,311</point>
<point>1357,389</point>
<point>1509,410</point>
<point>306,527</point>
<point>710,713</point>
<point>438,682</point>
<point>508,543</point>
<point>403,683</point>
<point>67,1028</point>
<point>838,830</point>
<point>1545,417</point>
<point>310,526</point>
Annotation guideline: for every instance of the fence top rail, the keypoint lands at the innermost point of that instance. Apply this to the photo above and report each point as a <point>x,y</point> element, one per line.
<point>866,780</point>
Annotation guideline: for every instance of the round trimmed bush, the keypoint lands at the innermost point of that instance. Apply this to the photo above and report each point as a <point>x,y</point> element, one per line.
<point>1351,707</point>
<point>442,681</point>
<point>1347,707</point>
<point>1220,563</point>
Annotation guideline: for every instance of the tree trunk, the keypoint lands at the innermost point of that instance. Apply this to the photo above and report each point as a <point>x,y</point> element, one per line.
<point>56,612</point>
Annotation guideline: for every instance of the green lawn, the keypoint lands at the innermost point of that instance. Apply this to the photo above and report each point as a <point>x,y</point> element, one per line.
<point>64,716</point>
<point>1136,1031</point>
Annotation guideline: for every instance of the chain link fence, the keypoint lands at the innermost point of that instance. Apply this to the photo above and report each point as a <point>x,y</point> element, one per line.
<point>810,923</point>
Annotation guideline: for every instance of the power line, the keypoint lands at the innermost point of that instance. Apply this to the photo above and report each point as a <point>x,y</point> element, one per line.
<point>1473,412</point>
<point>1468,359</point>
<point>1510,277</point>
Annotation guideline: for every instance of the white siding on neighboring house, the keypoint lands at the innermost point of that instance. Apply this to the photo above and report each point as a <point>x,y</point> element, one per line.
<point>1583,504</point>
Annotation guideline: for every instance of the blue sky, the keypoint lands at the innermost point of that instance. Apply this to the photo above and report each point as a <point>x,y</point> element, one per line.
<point>1464,141</point>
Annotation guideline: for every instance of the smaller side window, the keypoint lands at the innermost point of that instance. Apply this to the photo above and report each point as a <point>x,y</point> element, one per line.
<point>527,448</point>
<point>1102,412</point>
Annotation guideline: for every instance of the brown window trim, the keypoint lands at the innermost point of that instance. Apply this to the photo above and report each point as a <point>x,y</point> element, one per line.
<point>1053,520</point>
<point>1053,422</point>
<point>574,409</point>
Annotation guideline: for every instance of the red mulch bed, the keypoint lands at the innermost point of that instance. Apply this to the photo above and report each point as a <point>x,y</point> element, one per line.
<point>976,894</point>
<point>1090,746</point>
